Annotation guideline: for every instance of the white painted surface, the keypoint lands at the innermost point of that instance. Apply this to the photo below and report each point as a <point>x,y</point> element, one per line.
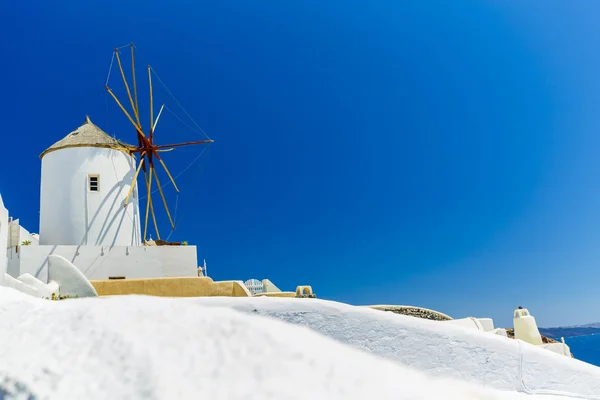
<point>72,215</point>
<point>3,240</point>
<point>18,235</point>
<point>97,262</point>
<point>470,323</point>
<point>526,328</point>
<point>71,280</point>
<point>435,347</point>
<point>27,284</point>
<point>26,236</point>
<point>13,233</point>
<point>254,286</point>
<point>143,347</point>
<point>31,237</point>
<point>500,331</point>
<point>269,287</point>
<point>486,323</point>
<point>13,268</point>
<point>32,281</point>
<point>559,348</point>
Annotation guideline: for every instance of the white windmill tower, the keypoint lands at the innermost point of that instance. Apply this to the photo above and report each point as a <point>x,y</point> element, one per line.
<point>86,177</point>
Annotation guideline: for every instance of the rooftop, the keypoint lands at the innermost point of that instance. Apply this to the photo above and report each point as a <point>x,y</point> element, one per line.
<point>88,135</point>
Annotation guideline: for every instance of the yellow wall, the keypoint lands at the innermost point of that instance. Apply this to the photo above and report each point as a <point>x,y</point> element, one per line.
<point>171,287</point>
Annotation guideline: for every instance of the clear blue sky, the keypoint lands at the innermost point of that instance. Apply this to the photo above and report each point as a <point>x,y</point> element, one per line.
<point>393,152</point>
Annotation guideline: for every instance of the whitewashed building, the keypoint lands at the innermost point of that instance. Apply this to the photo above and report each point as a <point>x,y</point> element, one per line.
<point>85,179</point>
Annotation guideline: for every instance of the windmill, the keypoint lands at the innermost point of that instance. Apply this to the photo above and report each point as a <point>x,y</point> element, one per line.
<point>148,150</point>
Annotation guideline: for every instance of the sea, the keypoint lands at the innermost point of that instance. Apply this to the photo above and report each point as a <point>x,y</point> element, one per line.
<point>585,348</point>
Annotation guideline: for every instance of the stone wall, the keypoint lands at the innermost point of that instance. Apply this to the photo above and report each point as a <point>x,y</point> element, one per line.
<point>414,312</point>
<point>171,287</point>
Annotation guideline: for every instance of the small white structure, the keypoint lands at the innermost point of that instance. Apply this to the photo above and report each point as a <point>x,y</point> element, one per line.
<point>480,324</point>
<point>486,323</point>
<point>86,177</point>
<point>559,348</point>
<point>304,291</point>
<point>470,322</point>
<point>30,285</point>
<point>254,286</point>
<point>72,281</point>
<point>64,279</point>
<point>526,328</point>
<point>269,287</point>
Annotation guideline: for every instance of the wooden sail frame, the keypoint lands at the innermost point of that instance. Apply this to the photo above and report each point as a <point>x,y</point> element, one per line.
<point>146,147</point>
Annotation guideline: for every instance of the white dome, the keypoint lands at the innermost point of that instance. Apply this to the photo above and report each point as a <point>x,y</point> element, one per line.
<point>85,179</point>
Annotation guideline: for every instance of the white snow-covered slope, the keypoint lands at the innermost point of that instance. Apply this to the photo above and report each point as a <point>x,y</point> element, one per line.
<point>137,347</point>
<point>431,346</point>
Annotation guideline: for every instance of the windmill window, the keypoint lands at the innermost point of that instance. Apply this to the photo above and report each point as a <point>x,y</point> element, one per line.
<point>94,183</point>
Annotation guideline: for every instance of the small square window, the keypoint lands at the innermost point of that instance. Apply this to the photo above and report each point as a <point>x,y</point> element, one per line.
<point>94,183</point>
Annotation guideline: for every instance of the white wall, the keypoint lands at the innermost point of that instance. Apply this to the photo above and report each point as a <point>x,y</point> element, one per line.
<point>560,348</point>
<point>269,287</point>
<point>12,267</point>
<point>470,322</point>
<point>97,262</point>
<point>72,215</point>
<point>17,235</point>
<point>3,239</point>
<point>487,324</point>
<point>31,286</point>
<point>25,235</point>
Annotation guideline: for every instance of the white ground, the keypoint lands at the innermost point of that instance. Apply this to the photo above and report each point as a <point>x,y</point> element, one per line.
<point>433,347</point>
<point>136,347</point>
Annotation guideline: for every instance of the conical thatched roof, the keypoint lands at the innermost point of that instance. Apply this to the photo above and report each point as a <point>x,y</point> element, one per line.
<point>88,135</point>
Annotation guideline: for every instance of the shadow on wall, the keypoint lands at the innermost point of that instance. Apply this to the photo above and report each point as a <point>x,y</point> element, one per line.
<point>45,263</point>
<point>104,229</point>
<point>103,216</point>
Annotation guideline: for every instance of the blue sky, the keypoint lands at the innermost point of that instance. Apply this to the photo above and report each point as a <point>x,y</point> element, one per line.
<point>389,152</point>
